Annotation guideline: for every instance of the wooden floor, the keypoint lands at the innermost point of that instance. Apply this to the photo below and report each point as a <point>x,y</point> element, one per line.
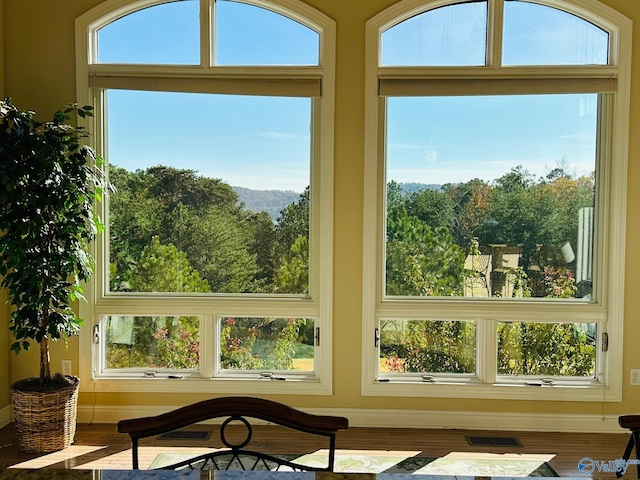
<point>100,446</point>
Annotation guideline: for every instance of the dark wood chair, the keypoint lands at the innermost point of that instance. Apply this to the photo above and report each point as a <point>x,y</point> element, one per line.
<point>236,456</point>
<point>632,422</point>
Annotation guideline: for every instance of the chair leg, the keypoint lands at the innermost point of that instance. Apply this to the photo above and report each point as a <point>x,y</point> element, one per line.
<point>134,453</point>
<point>636,439</point>
<point>627,452</point>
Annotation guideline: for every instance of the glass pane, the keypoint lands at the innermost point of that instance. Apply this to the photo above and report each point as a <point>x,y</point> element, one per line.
<point>167,34</point>
<point>250,35</point>
<point>211,193</point>
<point>540,35</point>
<point>547,349</point>
<point>446,36</point>
<point>274,344</point>
<point>426,346</point>
<point>491,196</point>
<point>152,342</point>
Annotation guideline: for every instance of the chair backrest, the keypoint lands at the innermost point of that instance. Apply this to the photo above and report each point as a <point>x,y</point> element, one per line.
<point>236,456</point>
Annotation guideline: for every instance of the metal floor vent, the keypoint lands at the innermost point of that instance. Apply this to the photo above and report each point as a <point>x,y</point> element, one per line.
<point>493,441</point>
<point>185,435</point>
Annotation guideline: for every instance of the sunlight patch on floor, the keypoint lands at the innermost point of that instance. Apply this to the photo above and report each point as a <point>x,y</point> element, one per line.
<point>146,455</point>
<point>486,464</point>
<point>56,457</point>
<point>352,461</point>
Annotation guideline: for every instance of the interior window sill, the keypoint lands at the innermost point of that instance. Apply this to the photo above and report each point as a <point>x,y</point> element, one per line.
<point>585,391</point>
<point>195,384</point>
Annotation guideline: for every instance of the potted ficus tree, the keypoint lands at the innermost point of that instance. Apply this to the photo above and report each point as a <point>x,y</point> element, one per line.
<point>49,183</point>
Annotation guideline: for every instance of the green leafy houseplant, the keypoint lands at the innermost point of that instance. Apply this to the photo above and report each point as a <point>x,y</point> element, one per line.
<point>49,182</point>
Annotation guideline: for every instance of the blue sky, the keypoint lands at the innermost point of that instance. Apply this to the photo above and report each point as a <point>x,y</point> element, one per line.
<point>255,142</point>
<point>264,143</point>
<point>456,139</point>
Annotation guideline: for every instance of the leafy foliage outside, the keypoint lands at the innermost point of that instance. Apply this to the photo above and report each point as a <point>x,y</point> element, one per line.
<point>175,231</point>
<point>434,237</point>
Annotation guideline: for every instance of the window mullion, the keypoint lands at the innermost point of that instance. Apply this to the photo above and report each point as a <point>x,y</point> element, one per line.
<point>602,221</point>
<point>487,350</point>
<point>207,50</point>
<point>209,345</point>
<point>494,33</point>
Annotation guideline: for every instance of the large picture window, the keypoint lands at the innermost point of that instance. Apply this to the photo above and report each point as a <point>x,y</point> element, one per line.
<point>492,216</point>
<point>215,118</point>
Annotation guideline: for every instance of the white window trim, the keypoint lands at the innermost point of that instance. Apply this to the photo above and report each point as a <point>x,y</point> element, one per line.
<point>318,304</point>
<point>613,182</point>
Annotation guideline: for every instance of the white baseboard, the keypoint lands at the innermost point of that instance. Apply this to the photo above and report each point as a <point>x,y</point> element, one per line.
<point>5,416</point>
<point>479,420</point>
<point>405,419</point>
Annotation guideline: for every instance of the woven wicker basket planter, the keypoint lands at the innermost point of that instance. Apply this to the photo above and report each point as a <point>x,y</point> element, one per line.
<point>45,421</point>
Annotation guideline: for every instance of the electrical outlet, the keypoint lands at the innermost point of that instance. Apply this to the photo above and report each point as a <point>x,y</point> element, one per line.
<point>66,368</point>
<point>634,376</point>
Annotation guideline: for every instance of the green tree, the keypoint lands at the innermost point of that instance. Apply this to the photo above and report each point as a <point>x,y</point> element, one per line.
<point>236,348</point>
<point>174,187</point>
<point>261,245</point>
<point>292,223</point>
<point>293,274</point>
<point>433,207</point>
<point>421,261</point>
<point>160,342</point>
<point>471,200</point>
<point>197,215</point>
<point>217,245</point>
<point>565,197</point>
<point>134,218</point>
<point>515,216</point>
<point>545,349</point>
<point>395,197</point>
<point>429,346</point>
<point>293,277</point>
<point>163,268</point>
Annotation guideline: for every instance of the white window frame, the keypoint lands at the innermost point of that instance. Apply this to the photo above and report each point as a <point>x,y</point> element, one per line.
<point>608,306</point>
<point>316,82</point>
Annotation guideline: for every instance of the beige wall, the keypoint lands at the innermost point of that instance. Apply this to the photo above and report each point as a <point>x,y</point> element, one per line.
<point>39,74</point>
<point>4,342</point>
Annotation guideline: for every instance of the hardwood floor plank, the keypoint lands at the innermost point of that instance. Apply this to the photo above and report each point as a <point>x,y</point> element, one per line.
<point>100,446</point>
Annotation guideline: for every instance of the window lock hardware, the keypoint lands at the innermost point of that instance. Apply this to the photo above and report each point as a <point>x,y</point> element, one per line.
<point>150,374</point>
<point>96,334</point>
<point>317,337</point>
<point>547,381</point>
<point>383,380</point>
<point>605,342</point>
<point>269,376</point>
<point>376,337</point>
<point>428,378</point>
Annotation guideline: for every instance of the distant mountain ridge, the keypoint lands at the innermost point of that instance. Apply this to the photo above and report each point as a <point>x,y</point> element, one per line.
<point>269,201</point>
<point>411,187</point>
<point>273,201</point>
